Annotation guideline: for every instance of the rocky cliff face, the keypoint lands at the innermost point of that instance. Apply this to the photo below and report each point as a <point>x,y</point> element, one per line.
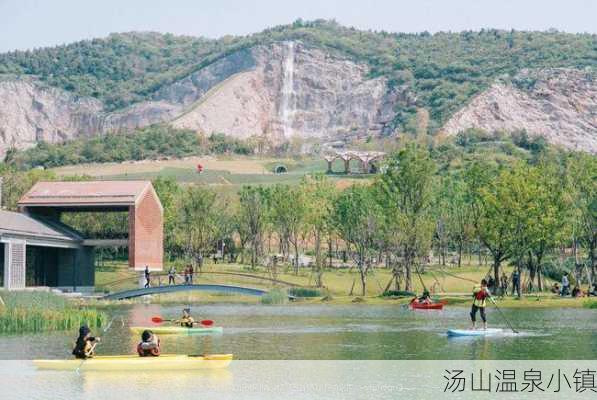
<point>558,104</point>
<point>279,91</point>
<point>289,89</point>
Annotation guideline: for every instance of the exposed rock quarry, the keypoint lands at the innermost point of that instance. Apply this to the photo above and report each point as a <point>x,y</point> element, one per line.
<point>558,104</point>
<point>287,89</point>
<point>279,91</point>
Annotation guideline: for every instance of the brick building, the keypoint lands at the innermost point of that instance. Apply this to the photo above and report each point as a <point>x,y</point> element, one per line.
<point>39,250</point>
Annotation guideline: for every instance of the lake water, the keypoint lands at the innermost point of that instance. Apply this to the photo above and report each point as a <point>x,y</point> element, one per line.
<point>333,332</point>
<point>309,332</point>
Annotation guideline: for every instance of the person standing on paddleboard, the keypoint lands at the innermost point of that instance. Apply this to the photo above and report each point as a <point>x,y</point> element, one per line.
<point>480,296</point>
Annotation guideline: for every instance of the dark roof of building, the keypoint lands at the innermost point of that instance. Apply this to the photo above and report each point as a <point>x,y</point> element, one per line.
<point>90,193</point>
<point>18,224</point>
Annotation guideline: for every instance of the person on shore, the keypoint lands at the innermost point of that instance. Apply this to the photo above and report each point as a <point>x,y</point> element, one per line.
<point>577,292</point>
<point>149,345</point>
<point>147,277</point>
<point>593,292</point>
<point>515,282</point>
<point>186,320</point>
<point>171,275</point>
<point>191,272</point>
<point>186,275</point>
<point>85,344</point>
<point>480,296</point>
<point>555,289</point>
<point>565,285</point>
<point>504,283</point>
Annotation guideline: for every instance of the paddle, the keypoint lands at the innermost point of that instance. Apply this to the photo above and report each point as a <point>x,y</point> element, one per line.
<point>159,320</point>
<point>502,314</point>
<point>95,344</point>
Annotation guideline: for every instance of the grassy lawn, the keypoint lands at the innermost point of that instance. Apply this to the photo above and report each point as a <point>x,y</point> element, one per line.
<point>455,287</point>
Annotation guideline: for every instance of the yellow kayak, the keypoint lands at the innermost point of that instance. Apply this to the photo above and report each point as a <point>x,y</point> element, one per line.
<point>119,363</point>
<point>179,330</point>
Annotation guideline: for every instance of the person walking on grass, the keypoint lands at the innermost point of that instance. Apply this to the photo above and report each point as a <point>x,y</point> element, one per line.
<point>480,296</point>
<point>515,282</point>
<point>171,275</point>
<point>147,277</point>
<point>504,284</point>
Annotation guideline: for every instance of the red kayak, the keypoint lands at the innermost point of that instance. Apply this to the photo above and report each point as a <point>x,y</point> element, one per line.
<point>426,306</point>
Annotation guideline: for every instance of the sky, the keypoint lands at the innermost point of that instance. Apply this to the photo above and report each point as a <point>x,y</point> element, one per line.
<point>27,24</point>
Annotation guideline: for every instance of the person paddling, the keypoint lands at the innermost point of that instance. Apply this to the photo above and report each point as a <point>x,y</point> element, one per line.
<point>149,345</point>
<point>480,296</point>
<point>85,344</point>
<point>186,320</point>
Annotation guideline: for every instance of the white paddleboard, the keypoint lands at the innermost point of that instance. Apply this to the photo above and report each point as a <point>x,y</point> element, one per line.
<point>474,332</point>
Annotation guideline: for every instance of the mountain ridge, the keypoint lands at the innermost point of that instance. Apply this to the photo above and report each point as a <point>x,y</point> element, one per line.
<point>130,80</point>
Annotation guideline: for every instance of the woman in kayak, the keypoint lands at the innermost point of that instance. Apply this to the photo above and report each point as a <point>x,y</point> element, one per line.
<point>186,320</point>
<point>149,345</point>
<point>85,344</point>
<point>480,295</point>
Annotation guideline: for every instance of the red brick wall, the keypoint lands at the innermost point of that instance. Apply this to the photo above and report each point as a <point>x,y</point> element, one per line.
<point>146,233</point>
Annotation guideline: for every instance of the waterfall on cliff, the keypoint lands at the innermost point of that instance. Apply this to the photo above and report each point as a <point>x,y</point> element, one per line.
<point>287,107</point>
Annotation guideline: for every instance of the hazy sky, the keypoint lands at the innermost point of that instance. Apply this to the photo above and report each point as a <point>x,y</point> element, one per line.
<point>36,23</point>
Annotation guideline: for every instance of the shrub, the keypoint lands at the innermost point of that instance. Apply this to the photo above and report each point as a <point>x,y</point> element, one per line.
<point>304,292</point>
<point>398,293</point>
<point>274,296</point>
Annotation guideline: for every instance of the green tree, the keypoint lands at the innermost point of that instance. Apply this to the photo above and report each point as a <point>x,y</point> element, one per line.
<point>406,195</point>
<point>357,218</point>
<point>198,222</point>
<point>289,205</point>
<point>251,218</point>
<point>320,194</point>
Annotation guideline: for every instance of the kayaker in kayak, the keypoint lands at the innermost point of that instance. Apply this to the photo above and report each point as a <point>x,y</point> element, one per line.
<point>186,320</point>
<point>480,296</point>
<point>85,344</point>
<point>149,345</point>
<point>424,299</point>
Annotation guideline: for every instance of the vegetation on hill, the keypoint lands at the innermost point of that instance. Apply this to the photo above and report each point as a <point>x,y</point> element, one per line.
<point>151,143</point>
<point>444,70</point>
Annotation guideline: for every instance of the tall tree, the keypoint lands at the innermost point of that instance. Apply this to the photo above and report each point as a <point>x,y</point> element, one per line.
<point>320,194</point>
<point>289,211</point>
<point>198,222</point>
<point>357,218</point>
<point>406,195</point>
<point>252,217</point>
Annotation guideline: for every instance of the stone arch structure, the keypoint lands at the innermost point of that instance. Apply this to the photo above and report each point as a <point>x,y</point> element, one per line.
<point>367,159</point>
<point>280,169</point>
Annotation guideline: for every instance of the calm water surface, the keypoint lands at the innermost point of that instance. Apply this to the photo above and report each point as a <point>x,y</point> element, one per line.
<point>332,332</point>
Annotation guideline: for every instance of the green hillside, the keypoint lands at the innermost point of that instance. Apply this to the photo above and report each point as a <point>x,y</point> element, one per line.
<point>444,69</point>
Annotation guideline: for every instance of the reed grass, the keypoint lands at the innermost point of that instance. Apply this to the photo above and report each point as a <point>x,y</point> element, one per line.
<point>30,312</point>
<point>274,296</point>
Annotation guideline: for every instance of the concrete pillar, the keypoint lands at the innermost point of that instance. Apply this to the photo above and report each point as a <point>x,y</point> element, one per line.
<point>365,167</point>
<point>14,264</point>
<point>329,167</point>
<point>347,166</point>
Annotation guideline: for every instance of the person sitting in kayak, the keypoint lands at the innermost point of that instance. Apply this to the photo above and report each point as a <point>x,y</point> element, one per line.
<point>424,299</point>
<point>149,345</point>
<point>85,344</point>
<point>480,296</point>
<point>186,320</point>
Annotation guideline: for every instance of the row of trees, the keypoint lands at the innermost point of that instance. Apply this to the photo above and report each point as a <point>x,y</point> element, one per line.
<point>519,214</point>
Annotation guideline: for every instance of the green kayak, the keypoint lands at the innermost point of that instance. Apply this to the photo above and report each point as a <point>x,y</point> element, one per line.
<point>179,330</point>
